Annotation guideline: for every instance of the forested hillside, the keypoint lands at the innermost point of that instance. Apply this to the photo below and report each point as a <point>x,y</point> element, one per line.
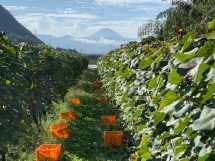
<point>14,29</point>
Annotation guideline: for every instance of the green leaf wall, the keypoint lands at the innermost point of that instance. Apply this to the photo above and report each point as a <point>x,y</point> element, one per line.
<point>166,94</point>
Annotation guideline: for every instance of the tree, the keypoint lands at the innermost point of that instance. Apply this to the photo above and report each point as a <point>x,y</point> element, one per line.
<point>190,15</point>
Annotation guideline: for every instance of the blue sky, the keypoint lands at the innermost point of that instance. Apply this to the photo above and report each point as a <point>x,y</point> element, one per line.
<point>80,18</point>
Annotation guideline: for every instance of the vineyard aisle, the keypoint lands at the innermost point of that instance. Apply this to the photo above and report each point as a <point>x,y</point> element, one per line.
<point>86,131</point>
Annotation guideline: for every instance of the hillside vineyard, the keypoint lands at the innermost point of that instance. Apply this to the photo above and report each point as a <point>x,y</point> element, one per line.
<point>165,92</point>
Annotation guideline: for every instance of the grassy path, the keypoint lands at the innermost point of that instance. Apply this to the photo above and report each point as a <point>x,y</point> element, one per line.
<point>85,142</point>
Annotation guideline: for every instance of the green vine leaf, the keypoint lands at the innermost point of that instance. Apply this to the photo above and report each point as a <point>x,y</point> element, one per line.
<point>158,117</point>
<point>152,83</point>
<point>168,98</point>
<point>145,63</point>
<point>182,124</point>
<point>211,25</point>
<point>202,69</point>
<point>206,120</point>
<point>207,94</point>
<point>174,77</point>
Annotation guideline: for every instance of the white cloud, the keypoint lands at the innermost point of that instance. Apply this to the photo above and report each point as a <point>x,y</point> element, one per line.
<point>115,2</point>
<point>70,13</point>
<point>81,26</point>
<point>102,41</point>
<point>58,23</point>
<point>15,8</point>
<point>127,28</point>
<point>124,2</point>
<point>67,13</point>
<point>43,24</point>
<point>149,9</point>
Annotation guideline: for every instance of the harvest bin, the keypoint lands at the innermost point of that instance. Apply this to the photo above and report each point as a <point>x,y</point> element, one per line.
<point>109,120</point>
<point>114,138</point>
<point>48,152</point>
<point>102,100</point>
<point>59,130</point>
<point>68,115</point>
<point>75,101</point>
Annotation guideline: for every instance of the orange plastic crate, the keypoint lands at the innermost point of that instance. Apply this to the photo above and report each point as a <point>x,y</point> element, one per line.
<point>48,152</point>
<point>109,120</point>
<point>59,130</point>
<point>114,138</point>
<point>75,101</point>
<point>98,83</point>
<point>102,100</point>
<point>68,115</point>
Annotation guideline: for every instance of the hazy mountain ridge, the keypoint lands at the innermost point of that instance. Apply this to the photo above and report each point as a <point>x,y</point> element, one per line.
<point>14,29</point>
<point>81,45</point>
<point>100,42</point>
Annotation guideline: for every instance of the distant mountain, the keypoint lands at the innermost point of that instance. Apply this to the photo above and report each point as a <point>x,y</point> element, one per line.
<point>98,43</point>
<point>81,45</point>
<point>106,33</point>
<point>14,29</point>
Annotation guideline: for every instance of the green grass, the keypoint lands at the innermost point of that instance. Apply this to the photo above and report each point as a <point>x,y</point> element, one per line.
<point>85,142</point>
